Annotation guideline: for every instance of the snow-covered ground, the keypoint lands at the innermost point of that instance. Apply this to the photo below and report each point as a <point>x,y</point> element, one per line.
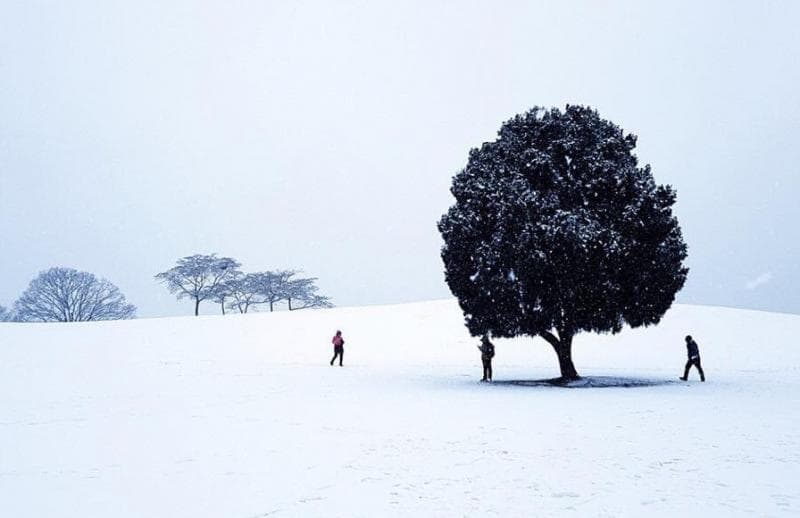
<point>241,416</point>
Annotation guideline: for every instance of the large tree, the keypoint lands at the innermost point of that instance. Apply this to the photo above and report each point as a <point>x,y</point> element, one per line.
<point>557,230</point>
<point>199,277</point>
<point>68,295</point>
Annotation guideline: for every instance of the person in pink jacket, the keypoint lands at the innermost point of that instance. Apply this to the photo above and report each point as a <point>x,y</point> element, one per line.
<point>338,347</point>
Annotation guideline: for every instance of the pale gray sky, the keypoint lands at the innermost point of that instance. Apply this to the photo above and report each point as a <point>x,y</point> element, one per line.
<point>324,135</point>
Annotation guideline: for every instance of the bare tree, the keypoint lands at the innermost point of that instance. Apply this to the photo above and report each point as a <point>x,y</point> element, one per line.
<point>202,277</point>
<point>229,288</point>
<point>243,292</point>
<point>220,296</point>
<point>271,287</point>
<point>199,277</point>
<point>67,295</point>
<point>297,289</point>
<point>303,293</point>
<point>314,301</point>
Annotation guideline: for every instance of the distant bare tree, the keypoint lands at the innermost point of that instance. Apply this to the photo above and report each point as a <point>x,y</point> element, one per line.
<point>220,296</point>
<point>219,279</point>
<point>303,293</point>
<point>313,300</point>
<point>67,295</point>
<point>199,277</point>
<point>296,290</point>
<point>228,289</point>
<point>271,287</point>
<point>242,292</point>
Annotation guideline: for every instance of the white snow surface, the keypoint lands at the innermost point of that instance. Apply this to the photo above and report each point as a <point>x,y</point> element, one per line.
<point>242,416</point>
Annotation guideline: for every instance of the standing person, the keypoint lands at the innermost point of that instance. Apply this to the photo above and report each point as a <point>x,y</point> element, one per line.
<point>694,359</point>
<point>338,347</point>
<point>487,353</point>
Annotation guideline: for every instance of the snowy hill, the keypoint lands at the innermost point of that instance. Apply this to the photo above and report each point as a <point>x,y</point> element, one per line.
<point>241,416</point>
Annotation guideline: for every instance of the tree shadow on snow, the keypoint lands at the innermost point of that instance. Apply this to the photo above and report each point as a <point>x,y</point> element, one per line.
<point>589,382</point>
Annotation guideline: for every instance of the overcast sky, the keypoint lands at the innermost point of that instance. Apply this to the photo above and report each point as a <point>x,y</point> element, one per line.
<point>324,136</point>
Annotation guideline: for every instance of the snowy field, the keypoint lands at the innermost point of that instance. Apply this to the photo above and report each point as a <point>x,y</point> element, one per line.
<point>241,416</point>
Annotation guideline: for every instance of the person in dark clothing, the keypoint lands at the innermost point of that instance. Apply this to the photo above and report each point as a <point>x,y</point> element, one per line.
<point>487,353</point>
<point>338,347</point>
<point>694,359</point>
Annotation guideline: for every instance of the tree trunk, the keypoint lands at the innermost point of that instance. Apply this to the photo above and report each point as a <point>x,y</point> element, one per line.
<point>563,349</point>
<point>222,305</point>
<point>564,352</point>
<point>196,307</point>
<point>270,306</point>
<point>290,303</point>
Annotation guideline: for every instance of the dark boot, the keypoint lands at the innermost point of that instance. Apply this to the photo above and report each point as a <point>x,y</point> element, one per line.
<point>686,370</point>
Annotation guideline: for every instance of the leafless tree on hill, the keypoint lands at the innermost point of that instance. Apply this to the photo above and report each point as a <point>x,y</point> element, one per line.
<point>68,295</point>
<point>199,277</point>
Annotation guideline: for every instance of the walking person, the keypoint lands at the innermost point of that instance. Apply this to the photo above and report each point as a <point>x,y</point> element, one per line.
<point>338,347</point>
<point>487,353</point>
<point>694,359</point>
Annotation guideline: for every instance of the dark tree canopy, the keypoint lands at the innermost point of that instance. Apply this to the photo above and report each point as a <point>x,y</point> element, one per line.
<point>557,230</point>
<point>67,295</point>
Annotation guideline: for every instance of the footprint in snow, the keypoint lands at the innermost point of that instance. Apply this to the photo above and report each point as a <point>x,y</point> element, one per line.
<point>565,494</point>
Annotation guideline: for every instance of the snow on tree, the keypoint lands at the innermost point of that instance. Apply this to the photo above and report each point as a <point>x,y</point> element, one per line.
<point>303,293</point>
<point>199,277</point>
<point>68,295</point>
<point>242,292</point>
<point>227,288</point>
<point>271,287</point>
<point>5,315</point>
<point>274,287</point>
<point>557,230</point>
<point>202,277</point>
